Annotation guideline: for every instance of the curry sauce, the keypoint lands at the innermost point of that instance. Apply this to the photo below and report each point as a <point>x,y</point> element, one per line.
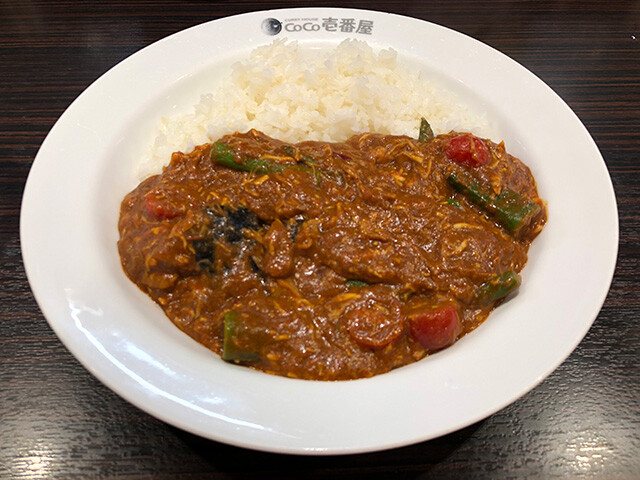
<point>331,261</point>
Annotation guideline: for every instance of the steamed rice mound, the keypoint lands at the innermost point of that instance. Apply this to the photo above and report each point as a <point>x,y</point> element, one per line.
<point>295,93</point>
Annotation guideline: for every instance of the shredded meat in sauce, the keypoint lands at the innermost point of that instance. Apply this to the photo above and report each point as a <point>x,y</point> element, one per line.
<point>331,261</point>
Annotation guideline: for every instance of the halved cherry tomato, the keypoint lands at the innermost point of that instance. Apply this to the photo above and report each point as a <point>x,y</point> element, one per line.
<point>467,150</point>
<point>437,328</point>
<point>160,208</point>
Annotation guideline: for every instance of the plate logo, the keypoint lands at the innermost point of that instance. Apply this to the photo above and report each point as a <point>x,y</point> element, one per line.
<point>273,26</point>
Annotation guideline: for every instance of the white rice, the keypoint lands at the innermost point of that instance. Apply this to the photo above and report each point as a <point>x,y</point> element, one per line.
<point>294,93</point>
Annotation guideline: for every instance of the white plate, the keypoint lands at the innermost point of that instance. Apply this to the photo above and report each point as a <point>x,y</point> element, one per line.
<point>83,169</point>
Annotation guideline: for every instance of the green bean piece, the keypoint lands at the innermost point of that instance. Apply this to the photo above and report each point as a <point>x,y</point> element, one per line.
<point>497,287</point>
<point>513,211</point>
<point>233,349</point>
<point>356,283</point>
<point>224,156</point>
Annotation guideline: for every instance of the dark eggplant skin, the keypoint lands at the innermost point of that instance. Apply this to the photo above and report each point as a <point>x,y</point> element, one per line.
<point>225,224</point>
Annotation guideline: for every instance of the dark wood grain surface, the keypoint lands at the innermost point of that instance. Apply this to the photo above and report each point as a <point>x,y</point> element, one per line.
<point>57,421</point>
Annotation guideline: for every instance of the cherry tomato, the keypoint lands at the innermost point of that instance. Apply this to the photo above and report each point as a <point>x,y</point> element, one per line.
<point>435,329</point>
<point>467,150</point>
<point>160,208</point>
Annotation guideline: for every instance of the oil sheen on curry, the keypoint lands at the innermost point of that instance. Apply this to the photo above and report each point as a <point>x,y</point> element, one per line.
<point>331,261</point>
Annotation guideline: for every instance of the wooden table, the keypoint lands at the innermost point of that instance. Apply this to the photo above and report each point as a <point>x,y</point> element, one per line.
<point>57,421</point>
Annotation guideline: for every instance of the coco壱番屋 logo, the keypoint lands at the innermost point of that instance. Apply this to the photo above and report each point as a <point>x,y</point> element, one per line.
<point>273,26</point>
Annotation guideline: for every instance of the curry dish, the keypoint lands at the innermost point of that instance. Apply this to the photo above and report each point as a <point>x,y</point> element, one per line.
<point>331,261</point>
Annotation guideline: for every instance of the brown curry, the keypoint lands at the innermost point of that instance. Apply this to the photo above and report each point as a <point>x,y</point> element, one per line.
<point>331,261</point>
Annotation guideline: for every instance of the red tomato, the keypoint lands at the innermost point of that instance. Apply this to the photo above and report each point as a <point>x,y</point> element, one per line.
<point>467,150</point>
<point>435,329</point>
<point>160,208</point>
